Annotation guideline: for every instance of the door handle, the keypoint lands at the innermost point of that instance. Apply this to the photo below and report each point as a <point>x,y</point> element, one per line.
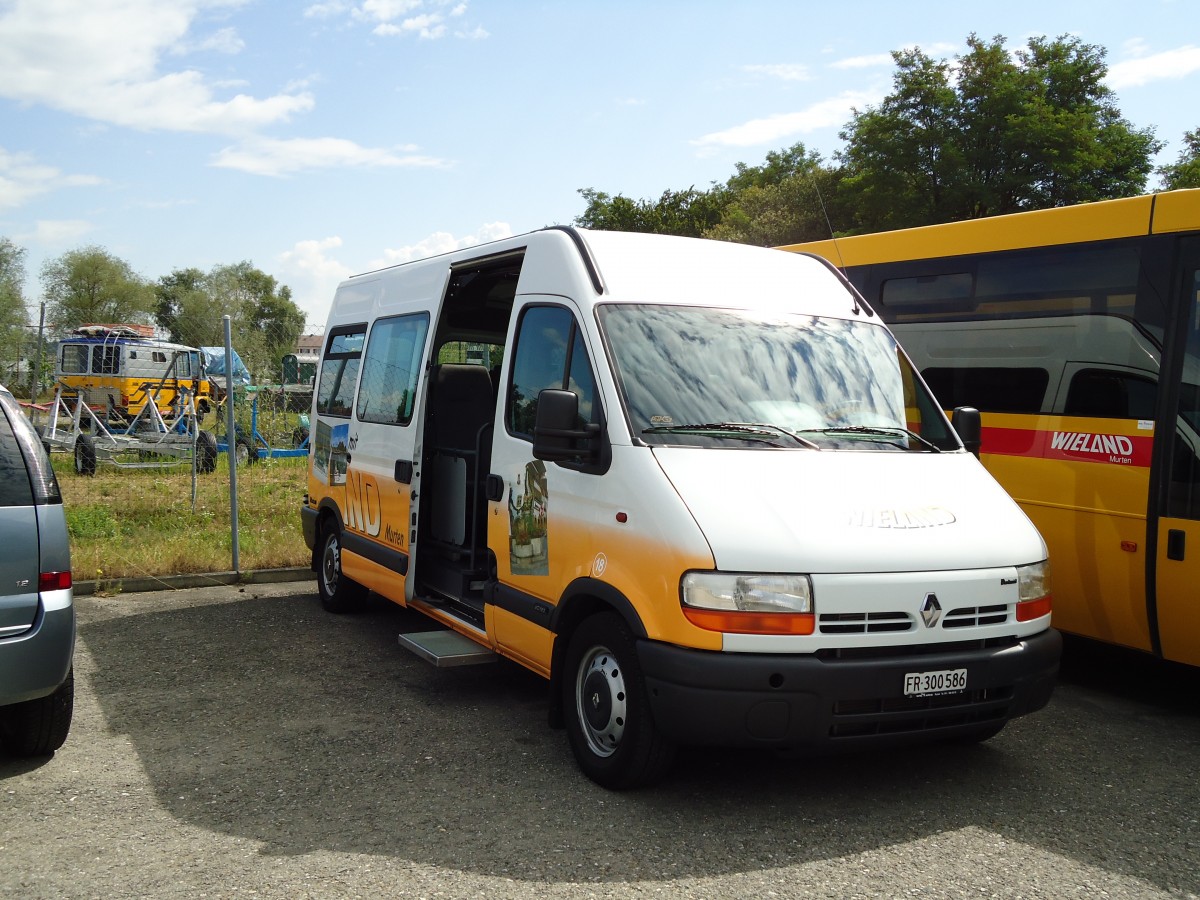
<point>1176,543</point>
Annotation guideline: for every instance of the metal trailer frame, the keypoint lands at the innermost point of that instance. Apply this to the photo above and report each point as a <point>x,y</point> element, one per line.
<point>149,441</point>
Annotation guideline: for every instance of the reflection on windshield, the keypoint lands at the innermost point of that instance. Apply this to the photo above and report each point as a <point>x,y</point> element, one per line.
<point>699,376</point>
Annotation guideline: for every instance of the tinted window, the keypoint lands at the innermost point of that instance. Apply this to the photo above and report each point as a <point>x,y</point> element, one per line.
<point>989,388</point>
<point>106,359</point>
<point>25,473</point>
<point>1110,395</point>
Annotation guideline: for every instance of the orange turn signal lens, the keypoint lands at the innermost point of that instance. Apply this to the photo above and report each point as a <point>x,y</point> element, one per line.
<point>751,622</point>
<point>1028,610</point>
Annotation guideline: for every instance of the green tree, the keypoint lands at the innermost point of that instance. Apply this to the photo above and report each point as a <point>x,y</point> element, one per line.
<point>1185,173</point>
<point>91,286</point>
<point>793,197</point>
<point>265,323</point>
<point>689,212</point>
<point>995,133</point>
<point>14,320</point>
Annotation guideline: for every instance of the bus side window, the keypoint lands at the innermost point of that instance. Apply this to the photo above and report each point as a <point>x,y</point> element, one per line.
<point>1105,394</point>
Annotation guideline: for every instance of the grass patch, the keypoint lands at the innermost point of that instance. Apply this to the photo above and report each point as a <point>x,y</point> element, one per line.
<point>129,523</point>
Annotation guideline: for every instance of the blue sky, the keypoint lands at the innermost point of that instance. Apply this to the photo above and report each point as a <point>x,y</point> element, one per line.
<point>321,138</point>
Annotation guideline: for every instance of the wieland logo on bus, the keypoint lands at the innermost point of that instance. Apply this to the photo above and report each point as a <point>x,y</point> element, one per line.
<point>1116,448</point>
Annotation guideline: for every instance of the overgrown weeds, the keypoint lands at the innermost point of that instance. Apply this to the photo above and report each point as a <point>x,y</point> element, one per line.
<point>129,523</point>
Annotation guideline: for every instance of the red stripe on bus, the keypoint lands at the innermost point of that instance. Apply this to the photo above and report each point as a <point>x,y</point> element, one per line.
<point>1075,446</point>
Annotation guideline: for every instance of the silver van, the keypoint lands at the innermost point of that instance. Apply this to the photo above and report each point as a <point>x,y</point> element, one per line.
<point>37,611</point>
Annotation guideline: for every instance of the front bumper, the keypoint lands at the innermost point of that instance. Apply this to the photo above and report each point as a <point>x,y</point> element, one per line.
<point>809,704</point>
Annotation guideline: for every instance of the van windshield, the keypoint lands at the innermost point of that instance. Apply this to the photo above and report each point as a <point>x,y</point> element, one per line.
<point>698,376</point>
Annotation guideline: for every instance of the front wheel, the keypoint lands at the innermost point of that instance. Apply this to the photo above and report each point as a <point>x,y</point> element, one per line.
<point>609,725</point>
<point>206,452</point>
<point>338,593</point>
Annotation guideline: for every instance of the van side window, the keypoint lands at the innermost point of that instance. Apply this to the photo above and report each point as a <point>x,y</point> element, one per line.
<point>390,369</point>
<point>74,359</point>
<point>550,354</point>
<point>106,360</point>
<point>339,370</point>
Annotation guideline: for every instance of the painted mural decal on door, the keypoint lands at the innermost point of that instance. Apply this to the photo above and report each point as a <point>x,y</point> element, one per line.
<point>527,511</point>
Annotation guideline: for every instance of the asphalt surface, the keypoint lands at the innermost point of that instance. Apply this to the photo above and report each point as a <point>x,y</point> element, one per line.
<point>243,743</point>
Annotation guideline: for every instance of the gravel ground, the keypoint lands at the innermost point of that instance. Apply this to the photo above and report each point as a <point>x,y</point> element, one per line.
<point>242,743</point>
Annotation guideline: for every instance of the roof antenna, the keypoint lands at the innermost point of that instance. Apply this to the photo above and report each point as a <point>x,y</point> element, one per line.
<point>838,250</point>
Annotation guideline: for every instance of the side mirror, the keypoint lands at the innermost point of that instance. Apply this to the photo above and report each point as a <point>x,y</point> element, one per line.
<point>555,435</point>
<point>965,420</point>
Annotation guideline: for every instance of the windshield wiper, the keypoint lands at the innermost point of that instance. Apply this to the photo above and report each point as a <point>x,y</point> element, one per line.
<point>888,431</point>
<point>740,429</point>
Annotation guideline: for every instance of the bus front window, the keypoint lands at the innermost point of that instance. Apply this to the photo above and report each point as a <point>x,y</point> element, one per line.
<point>697,376</point>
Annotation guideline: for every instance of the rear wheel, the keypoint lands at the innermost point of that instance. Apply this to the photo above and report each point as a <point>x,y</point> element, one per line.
<point>39,727</point>
<point>206,452</point>
<point>85,455</point>
<point>609,725</point>
<point>338,593</point>
<point>245,451</point>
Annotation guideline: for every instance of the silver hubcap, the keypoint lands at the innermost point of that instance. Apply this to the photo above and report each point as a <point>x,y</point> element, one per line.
<point>600,701</point>
<point>331,566</point>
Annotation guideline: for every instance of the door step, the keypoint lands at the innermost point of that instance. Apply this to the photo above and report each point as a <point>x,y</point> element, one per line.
<point>447,648</point>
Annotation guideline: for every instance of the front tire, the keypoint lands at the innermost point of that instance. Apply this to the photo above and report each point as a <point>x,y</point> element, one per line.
<point>609,725</point>
<point>206,452</point>
<point>338,593</point>
<point>39,727</point>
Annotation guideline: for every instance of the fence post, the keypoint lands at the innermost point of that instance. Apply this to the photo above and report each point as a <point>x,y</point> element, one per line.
<point>231,444</point>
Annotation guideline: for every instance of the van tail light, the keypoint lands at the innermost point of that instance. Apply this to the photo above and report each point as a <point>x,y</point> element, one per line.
<point>54,581</point>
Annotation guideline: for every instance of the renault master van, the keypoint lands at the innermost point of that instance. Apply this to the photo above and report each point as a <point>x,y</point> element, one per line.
<point>695,485</point>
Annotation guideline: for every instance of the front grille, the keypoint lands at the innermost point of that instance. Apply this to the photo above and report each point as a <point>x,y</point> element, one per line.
<point>906,715</point>
<point>972,616</point>
<point>915,650</point>
<point>864,623</point>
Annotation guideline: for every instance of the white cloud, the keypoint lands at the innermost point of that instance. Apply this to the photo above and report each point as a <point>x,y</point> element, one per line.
<point>22,178</point>
<point>313,275</point>
<point>58,232</point>
<point>1141,70</point>
<point>101,60</point>
<point>872,61</point>
<point>425,19</point>
<point>784,71</point>
<point>770,130</point>
<point>265,156</point>
<point>442,242</point>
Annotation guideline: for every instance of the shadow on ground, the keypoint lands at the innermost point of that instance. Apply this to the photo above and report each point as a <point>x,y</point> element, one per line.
<point>269,719</point>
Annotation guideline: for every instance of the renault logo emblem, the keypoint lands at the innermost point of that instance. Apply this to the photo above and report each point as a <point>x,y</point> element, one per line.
<point>931,610</point>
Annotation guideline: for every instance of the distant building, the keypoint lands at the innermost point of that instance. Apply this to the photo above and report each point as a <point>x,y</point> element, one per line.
<point>308,348</point>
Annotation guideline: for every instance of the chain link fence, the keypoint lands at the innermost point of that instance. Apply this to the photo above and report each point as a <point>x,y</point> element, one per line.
<point>168,464</point>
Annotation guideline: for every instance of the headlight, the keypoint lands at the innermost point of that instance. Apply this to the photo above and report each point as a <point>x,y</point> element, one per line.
<point>1033,591</point>
<point>748,603</point>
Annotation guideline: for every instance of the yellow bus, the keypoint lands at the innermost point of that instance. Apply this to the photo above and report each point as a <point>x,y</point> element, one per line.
<point>1076,332</point>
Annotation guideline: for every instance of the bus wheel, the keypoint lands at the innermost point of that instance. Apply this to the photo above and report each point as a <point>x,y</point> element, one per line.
<point>338,593</point>
<point>607,708</point>
<point>206,452</point>
<point>85,455</point>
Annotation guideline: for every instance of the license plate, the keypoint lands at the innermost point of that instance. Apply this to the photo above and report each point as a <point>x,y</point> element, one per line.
<point>929,684</point>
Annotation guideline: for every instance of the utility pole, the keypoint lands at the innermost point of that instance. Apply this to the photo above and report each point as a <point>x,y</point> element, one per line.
<point>36,379</point>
